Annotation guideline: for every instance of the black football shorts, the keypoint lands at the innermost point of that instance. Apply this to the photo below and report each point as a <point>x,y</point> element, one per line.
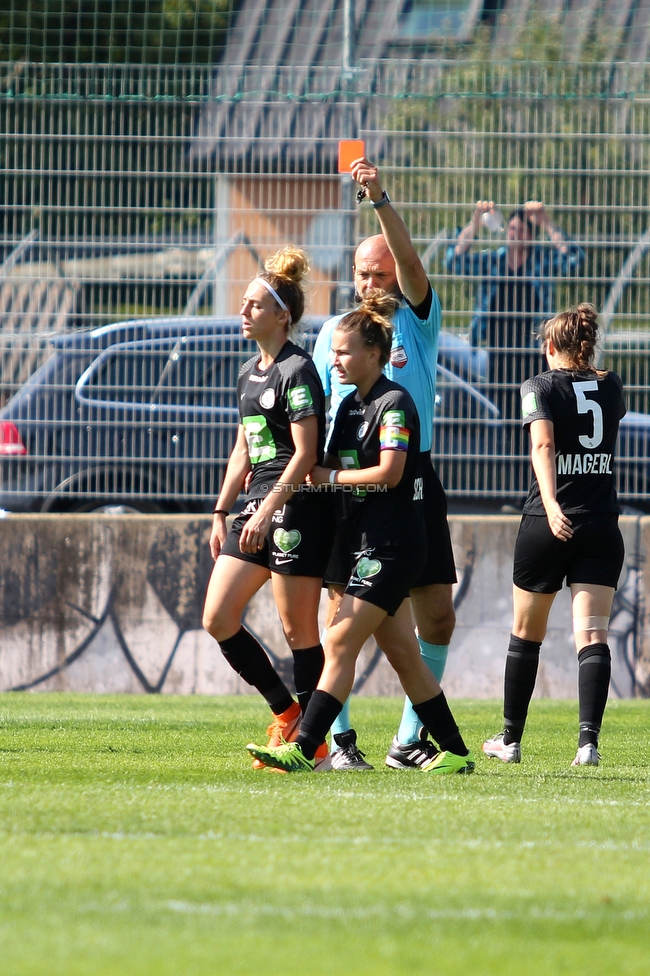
<point>439,566</point>
<point>383,575</point>
<point>299,540</point>
<point>594,554</point>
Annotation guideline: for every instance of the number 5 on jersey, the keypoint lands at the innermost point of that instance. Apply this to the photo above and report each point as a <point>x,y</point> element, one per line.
<point>585,405</point>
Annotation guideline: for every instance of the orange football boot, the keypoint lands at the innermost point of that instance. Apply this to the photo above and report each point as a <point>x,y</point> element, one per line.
<point>283,728</point>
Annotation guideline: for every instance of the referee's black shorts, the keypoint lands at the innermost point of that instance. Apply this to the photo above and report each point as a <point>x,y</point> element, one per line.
<point>594,554</point>
<point>439,566</point>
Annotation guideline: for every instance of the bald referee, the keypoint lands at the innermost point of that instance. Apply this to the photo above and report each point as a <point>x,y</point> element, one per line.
<point>389,261</point>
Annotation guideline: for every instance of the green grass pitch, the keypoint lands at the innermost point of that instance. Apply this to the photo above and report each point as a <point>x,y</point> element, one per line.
<point>135,839</point>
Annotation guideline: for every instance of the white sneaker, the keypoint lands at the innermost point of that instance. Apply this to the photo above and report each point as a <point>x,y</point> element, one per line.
<point>496,749</point>
<point>587,756</point>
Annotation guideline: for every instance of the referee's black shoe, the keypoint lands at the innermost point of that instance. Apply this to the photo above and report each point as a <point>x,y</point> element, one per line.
<point>348,757</point>
<point>413,755</point>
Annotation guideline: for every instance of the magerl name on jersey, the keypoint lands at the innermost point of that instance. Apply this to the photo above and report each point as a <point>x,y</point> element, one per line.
<point>584,463</point>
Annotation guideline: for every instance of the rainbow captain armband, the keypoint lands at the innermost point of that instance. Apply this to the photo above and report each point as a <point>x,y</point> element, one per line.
<point>393,434</point>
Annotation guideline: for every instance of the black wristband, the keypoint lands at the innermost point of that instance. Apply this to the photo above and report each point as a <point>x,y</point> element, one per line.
<point>220,511</point>
<point>383,201</point>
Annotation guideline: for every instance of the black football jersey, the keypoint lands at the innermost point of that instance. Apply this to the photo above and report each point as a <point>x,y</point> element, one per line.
<point>385,419</point>
<point>585,409</point>
<point>270,400</point>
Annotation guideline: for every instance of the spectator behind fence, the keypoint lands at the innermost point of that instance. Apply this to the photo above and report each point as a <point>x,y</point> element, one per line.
<point>515,295</point>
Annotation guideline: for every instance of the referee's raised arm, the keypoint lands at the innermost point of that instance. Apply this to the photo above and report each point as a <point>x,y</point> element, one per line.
<point>411,276</point>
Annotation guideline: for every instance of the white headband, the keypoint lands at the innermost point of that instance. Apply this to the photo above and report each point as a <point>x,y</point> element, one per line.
<point>272,290</point>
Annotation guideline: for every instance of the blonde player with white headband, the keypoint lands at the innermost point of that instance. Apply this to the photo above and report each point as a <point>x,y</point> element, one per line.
<point>286,529</point>
<point>569,530</point>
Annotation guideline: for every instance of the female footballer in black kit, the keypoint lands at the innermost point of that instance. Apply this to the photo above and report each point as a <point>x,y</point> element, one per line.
<point>569,529</point>
<point>284,532</point>
<point>373,453</point>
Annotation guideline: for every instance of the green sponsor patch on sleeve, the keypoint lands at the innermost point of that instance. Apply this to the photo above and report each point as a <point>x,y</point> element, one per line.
<point>300,397</point>
<point>394,418</point>
<point>529,404</point>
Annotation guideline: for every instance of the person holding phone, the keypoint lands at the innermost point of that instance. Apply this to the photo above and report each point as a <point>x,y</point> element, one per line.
<point>569,529</point>
<point>515,294</point>
<point>389,262</point>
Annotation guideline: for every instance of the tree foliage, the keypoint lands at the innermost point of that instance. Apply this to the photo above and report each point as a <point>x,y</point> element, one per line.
<point>115,31</point>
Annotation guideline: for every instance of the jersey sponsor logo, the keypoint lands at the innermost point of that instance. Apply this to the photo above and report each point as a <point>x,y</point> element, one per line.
<point>418,489</point>
<point>367,568</point>
<point>398,357</point>
<point>259,439</point>
<point>350,462</point>
<point>363,430</point>
<point>299,397</point>
<point>529,404</point>
<point>349,459</point>
<point>394,418</point>
<point>356,413</point>
<point>267,399</point>
<point>584,464</point>
<point>278,516</point>
<point>257,379</point>
<point>287,539</point>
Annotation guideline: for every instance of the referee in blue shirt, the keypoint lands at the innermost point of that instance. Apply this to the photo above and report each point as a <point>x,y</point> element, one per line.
<point>390,262</point>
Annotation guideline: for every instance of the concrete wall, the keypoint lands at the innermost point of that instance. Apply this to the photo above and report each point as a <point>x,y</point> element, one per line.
<point>113,604</point>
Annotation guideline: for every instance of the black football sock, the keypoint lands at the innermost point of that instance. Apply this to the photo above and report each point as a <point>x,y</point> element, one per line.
<point>436,717</point>
<point>317,721</point>
<point>307,669</point>
<point>594,672</point>
<point>247,657</point>
<point>518,685</point>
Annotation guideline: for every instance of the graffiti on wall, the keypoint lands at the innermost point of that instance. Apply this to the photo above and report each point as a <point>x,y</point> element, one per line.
<point>114,604</point>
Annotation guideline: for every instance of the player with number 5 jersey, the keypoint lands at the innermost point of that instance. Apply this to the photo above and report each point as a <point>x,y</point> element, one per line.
<point>569,530</point>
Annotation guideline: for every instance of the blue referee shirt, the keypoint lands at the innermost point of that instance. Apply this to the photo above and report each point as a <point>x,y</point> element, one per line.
<point>413,362</point>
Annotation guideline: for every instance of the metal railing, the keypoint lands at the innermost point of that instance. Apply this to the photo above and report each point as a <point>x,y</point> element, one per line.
<point>143,191</point>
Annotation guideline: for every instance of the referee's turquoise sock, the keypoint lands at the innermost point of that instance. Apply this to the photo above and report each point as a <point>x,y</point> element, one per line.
<point>342,721</point>
<point>435,658</point>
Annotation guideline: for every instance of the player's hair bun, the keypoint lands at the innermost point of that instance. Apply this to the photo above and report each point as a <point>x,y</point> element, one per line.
<point>574,334</point>
<point>370,321</point>
<point>285,271</point>
<point>289,263</point>
<point>378,303</point>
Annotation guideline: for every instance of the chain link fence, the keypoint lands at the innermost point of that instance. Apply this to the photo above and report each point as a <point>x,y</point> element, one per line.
<point>154,191</point>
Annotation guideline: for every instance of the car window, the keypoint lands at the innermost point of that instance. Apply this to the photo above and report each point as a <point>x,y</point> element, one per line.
<point>194,373</point>
<point>126,375</point>
<point>214,387</point>
<point>207,375</point>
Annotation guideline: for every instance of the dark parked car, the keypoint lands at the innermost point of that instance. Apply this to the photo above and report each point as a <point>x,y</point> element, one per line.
<point>142,415</point>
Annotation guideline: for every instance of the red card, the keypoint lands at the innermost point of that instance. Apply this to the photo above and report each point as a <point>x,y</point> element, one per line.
<point>349,150</point>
